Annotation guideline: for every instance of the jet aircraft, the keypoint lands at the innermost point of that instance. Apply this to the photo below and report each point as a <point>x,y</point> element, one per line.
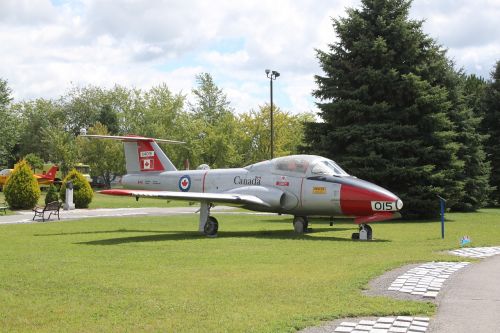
<point>299,185</point>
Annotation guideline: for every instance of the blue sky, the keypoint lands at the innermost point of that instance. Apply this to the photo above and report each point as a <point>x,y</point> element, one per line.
<point>48,46</point>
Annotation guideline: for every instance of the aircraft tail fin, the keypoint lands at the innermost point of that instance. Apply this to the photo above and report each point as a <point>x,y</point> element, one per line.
<point>142,154</point>
<point>51,173</point>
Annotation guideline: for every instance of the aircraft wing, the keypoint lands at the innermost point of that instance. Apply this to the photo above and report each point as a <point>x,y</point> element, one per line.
<point>227,198</point>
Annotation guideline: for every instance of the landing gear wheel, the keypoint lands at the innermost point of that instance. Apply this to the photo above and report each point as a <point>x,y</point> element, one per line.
<point>368,230</point>
<point>300,224</point>
<point>211,226</point>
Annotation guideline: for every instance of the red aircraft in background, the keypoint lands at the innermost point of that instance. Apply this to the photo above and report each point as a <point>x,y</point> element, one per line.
<point>47,178</point>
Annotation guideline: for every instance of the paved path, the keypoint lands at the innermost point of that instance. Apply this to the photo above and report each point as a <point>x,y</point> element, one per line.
<point>470,301</point>
<point>26,216</point>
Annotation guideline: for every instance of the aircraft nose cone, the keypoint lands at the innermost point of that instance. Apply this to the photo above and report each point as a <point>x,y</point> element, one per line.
<point>399,204</point>
<point>359,197</point>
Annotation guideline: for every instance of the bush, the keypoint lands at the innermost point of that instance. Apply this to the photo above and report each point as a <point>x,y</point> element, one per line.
<point>52,194</point>
<point>82,192</point>
<point>21,189</point>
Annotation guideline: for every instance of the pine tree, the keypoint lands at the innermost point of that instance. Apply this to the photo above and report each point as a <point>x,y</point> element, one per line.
<point>491,126</point>
<point>386,108</point>
<point>475,173</point>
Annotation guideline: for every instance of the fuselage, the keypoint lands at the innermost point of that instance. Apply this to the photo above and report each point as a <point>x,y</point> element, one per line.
<point>299,185</point>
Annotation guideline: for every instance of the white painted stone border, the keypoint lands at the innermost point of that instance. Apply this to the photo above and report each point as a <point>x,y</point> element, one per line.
<point>426,280</point>
<point>399,324</point>
<point>477,252</point>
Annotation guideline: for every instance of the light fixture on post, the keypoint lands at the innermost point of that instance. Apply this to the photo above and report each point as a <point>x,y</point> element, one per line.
<point>272,75</point>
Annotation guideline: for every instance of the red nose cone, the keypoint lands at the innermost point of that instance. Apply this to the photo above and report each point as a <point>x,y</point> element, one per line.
<point>366,200</point>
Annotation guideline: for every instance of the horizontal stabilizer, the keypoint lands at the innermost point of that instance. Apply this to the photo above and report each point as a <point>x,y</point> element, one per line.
<point>130,138</point>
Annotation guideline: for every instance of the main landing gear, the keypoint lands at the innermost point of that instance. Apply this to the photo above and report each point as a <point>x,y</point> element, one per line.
<point>365,232</point>
<point>208,224</point>
<point>300,224</point>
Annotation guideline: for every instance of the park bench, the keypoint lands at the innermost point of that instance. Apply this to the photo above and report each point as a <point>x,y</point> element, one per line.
<point>3,207</point>
<point>51,208</point>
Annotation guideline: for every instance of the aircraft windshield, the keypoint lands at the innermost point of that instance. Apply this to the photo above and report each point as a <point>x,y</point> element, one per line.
<point>294,164</point>
<point>328,167</point>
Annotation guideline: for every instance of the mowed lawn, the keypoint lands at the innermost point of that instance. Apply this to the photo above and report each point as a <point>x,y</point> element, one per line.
<point>158,274</point>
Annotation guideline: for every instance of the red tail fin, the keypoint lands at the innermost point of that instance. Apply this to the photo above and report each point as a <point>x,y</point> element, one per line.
<point>51,174</point>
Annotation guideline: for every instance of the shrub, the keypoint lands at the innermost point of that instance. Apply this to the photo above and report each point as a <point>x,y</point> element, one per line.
<point>82,192</point>
<point>52,194</point>
<point>21,189</point>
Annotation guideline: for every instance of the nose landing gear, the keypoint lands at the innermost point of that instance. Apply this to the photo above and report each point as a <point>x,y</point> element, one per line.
<point>365,232</point>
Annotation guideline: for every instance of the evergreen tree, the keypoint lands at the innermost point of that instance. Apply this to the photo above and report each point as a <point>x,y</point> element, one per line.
<point>491,125</point>
<point>475,173</point>
<point>52,194</point>
<point>22,190</point>
<point>386,108</point>
<point>82,192</point>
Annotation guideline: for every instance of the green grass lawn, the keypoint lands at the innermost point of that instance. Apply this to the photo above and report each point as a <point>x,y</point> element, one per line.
<point>157,274</point>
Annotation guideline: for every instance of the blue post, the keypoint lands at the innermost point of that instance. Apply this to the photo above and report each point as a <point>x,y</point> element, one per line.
<point>442,203</point>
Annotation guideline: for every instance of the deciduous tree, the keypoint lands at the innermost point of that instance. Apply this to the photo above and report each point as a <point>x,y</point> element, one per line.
<point>105,157</point>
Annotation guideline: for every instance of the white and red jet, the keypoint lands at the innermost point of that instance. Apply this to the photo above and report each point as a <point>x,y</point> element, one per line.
<point>299,185</point>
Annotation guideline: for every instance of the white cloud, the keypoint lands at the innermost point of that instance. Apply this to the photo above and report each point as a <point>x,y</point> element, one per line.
<point>46,47</point>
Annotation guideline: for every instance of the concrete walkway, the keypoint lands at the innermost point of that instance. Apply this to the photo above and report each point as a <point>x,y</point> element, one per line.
<point>470,301</point>
<point>26,216</point>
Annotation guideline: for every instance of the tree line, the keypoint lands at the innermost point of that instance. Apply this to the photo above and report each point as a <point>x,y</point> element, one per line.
<point>214,133</point>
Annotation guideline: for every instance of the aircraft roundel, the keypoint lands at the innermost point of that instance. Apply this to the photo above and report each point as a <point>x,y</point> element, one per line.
<point>184,183</point>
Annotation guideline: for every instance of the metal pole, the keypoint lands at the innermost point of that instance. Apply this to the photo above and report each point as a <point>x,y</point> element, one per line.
<point>272,124</point>
<point>442,203</point>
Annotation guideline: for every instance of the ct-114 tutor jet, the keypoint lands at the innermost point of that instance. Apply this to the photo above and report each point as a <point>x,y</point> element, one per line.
<point>300,185</point>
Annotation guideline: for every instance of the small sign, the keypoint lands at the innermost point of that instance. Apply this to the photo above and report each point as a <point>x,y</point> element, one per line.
<point>147,153</point>
<point>319,190</point>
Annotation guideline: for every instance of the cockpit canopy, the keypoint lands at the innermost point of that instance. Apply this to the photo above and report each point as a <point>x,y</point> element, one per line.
<point>302,164</point>
<point>327,167</point>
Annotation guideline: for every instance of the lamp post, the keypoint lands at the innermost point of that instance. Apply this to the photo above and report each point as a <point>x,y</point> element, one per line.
<point>272,75</point>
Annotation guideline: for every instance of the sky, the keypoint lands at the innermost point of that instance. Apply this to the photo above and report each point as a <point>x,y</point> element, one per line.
<point>49,46</point>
